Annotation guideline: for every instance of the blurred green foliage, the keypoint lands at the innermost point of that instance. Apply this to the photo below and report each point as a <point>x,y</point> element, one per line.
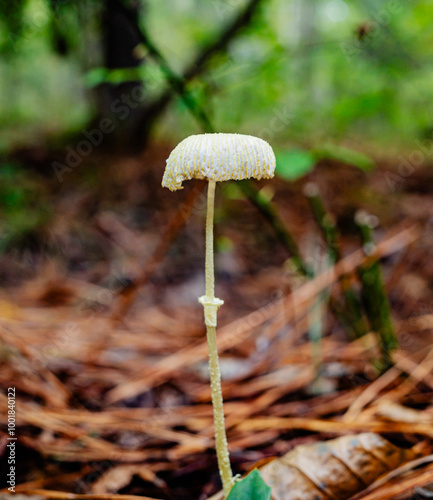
<point>302,74</point>
<point>343,155</point>
<point>294,163</point>
<point>23,207</point>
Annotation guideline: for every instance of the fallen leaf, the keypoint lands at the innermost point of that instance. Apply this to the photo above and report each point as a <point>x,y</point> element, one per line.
<point>332,470</point>
<point>335,469</point>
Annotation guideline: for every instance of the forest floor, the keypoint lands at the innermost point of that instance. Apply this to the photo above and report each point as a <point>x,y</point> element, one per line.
<point>115,401</point>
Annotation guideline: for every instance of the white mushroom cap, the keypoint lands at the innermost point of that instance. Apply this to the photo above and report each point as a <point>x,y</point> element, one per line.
<point>218,157</point>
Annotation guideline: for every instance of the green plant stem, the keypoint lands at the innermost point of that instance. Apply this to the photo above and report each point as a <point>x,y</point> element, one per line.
<point>325,222</point>
<point>211,304</point>
<point>375,299</point>
<point>351,314</point>
<point>270,213</point>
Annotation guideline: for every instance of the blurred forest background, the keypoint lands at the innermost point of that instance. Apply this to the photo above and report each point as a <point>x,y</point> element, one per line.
<point>319,79</point>
<point>100,267</point>
<point>344,71</point>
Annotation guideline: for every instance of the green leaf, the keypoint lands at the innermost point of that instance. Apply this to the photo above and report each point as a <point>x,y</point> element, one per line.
<point>344,155</point>
<point>95,77</point>
<point>251,487</point>
<point>292,165</point>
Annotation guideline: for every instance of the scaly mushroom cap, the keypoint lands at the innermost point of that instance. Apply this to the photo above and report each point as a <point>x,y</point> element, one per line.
<point>218,157</point>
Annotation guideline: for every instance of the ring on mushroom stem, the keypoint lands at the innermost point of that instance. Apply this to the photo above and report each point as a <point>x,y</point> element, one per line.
<point>217,157</point>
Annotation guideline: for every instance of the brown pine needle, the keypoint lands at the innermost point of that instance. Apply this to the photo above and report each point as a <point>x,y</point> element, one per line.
<point>61,495</point>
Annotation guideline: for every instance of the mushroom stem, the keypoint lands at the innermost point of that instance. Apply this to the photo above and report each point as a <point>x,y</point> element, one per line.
<point>210,274</point>
<point>218,414</point>
<point>211,304</point>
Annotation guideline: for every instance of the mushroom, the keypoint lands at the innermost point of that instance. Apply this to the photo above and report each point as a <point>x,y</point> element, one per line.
<point>217,157</point>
